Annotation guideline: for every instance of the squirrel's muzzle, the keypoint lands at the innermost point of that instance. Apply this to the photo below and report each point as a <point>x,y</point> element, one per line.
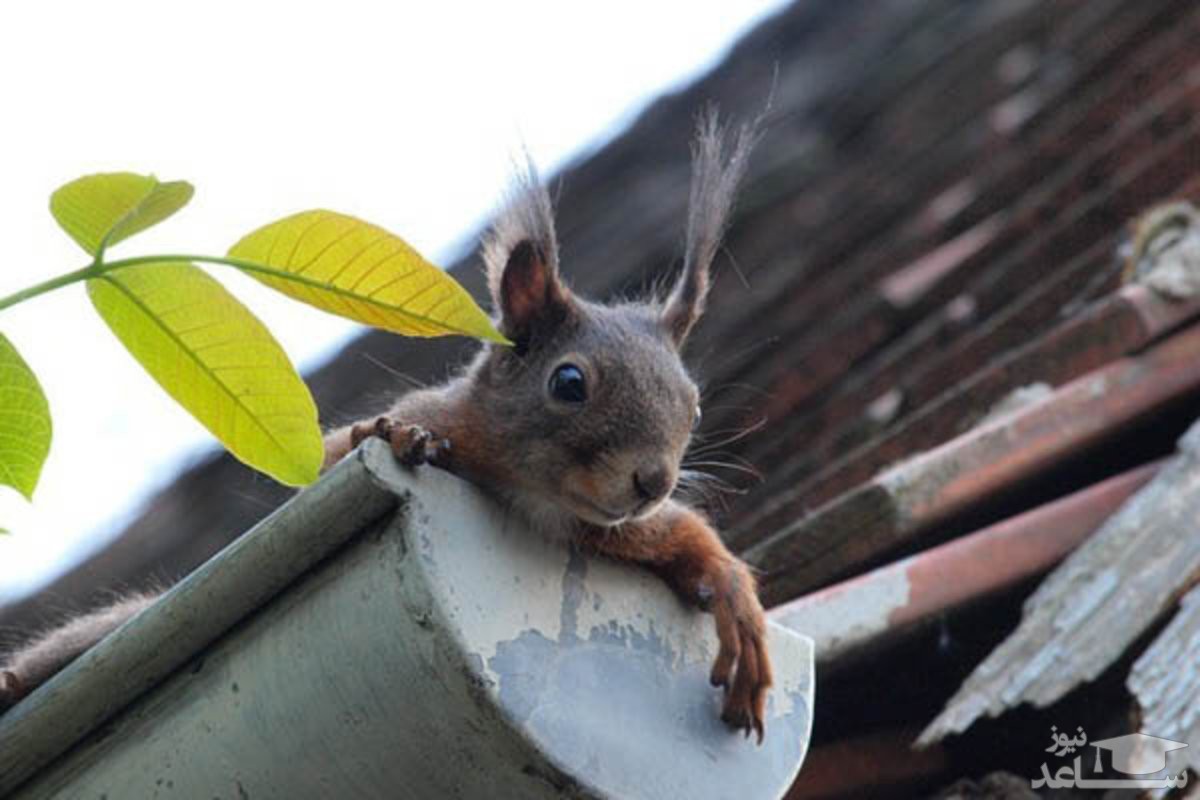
<point>653,483</point>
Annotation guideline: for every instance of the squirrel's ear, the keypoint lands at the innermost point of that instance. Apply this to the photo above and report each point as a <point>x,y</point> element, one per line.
<point>718,164</point>
<point>530,294</point>
<point>521,255</point>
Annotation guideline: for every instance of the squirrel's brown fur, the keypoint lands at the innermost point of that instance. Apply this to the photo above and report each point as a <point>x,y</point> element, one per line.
<point>49,652</point>
<point>601,464</point>
<point>584,468</point>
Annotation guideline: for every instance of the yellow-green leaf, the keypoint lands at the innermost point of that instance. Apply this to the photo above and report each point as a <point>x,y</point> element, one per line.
<point>218,361</point>
<point>357,270</point>
<point>98,211</point>
<point>24,422</point>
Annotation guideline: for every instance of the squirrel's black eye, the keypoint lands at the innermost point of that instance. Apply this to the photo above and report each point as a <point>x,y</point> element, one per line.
<point>696,417</point>
<point>567,384</point>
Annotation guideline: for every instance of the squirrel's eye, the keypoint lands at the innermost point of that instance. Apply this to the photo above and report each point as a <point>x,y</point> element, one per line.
<point>696,417</point>
<point>567,384</point>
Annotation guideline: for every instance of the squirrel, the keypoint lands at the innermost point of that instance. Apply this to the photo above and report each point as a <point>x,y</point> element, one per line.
<point>580,426</point>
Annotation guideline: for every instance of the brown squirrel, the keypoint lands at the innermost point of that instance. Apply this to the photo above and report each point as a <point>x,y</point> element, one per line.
<point>581,426</point>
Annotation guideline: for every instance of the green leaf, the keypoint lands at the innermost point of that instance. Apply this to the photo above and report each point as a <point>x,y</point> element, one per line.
<point>354,269</point>
<point>98,211</point>
<point>218,361</point>
<point>24,422</point>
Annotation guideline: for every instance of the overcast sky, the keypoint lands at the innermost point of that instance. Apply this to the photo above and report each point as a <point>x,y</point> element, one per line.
<point>406,115</point>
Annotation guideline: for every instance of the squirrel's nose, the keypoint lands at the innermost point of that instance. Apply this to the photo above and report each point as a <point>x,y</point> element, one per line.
<point>652,483</point>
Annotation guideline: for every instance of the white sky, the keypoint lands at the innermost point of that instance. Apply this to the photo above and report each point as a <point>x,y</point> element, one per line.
<point>404,114</point>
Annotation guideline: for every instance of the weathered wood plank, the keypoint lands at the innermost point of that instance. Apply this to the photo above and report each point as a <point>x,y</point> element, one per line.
<point>1166,681</point>
<point>1096,604</point>
<point>873,609</point>
<point>907,501</point>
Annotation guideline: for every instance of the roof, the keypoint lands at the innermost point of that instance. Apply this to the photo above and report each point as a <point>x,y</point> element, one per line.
<point>937,339</point>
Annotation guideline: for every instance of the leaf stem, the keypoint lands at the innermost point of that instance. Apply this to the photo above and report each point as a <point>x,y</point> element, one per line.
<point>46,286</point>
<point>95,270</point>
<point>237,263</point>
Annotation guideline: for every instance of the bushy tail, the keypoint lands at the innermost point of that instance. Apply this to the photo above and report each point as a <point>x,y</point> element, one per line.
<point>35,662</point>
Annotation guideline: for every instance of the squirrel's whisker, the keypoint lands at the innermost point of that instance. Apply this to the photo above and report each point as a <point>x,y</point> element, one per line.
<point>706,482</point>
<point>704,489</point>
<point>726,465</point>
<point>417,384</point>
<point>732,435</point>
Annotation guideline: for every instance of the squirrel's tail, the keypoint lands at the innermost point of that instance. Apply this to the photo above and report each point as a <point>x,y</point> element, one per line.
<point>34,663</point>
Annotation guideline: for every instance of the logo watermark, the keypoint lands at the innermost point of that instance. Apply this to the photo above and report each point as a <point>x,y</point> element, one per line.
<point>1136,754</point>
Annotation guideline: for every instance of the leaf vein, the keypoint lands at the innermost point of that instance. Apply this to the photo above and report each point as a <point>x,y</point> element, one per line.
<point>198,362</point>
<point>300,239</point>
<point>383,236</point>
<point>350,231</point>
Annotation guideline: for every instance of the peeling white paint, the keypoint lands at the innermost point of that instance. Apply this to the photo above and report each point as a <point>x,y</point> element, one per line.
<point>557,636</point>
<point>532,573</point>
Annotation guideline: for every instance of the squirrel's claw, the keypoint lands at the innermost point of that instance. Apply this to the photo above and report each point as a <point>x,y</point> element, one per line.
<point>411,444</point>
<point>414,446</point>
<point>380,427</point>
<point>745,703</point>
<point>743,666</point>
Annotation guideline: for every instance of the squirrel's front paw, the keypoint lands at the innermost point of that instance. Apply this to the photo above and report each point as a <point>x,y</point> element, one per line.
<point>743,665</point>
<point>411,444</point>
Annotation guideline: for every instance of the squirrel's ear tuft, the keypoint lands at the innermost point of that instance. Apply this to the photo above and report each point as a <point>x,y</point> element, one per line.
<point>719,158</point>
<point>530,294</point>
<point>521,255</point>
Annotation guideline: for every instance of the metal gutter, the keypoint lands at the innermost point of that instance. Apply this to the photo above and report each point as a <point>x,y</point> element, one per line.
<point>192,615</point>
<point>434,650</point>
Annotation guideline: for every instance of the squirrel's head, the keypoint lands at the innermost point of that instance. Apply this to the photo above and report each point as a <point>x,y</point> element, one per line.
<point>594,400</point>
